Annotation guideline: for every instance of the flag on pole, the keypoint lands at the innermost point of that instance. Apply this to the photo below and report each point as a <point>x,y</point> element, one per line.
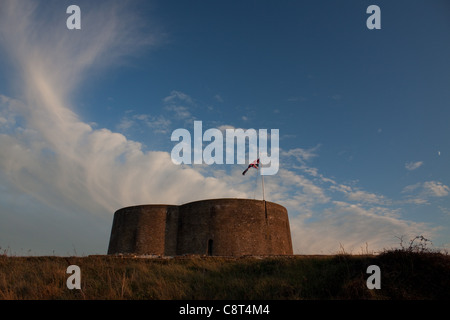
<point>254,164</point>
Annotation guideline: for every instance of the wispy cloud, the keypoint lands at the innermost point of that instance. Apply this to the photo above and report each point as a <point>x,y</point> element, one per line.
<point>157,124</point>
<point>359,196</point>
<point>177,103</point>
<point>435,189</point>
<point>55,158</point>
<point>321,224</point>
<point>413,165</point>
<point>180,112</point>
<point>428,189</point>
<point>301,154</point>
<point>422,192</point>
<point>346,225</point>
<point>176,97</point>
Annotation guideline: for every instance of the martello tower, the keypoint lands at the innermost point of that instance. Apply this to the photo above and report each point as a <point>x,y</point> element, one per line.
<point>217,227</point>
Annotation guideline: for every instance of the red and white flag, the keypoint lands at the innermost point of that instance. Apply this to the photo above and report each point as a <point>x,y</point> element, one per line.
<point>254,164</point>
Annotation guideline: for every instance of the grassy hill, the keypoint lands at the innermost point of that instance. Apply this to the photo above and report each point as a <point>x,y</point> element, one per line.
<point>404,275</point>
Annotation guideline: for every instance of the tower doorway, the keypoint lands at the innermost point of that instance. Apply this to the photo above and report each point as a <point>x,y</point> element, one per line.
<point>210,247</point>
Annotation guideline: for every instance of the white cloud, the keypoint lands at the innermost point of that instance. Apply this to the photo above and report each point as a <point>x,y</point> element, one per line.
<point>422,193</point>
<point>428,189</point>
<point>302,186</point>
<point>180,112</point>
<point>320,224</point>
<point>125,124</point>
<point>413,165</point>
<point>177,96</point>
<point>445,210</point>
<point>158,124</point>
<point>417,201</point>
<point>176,103</point>
<point>363,196</point>
<point>300,154</point>
<point>360,196</point>
<point>352,226</point>
<point>411,188</point>
<point>435,189</point>
<point>72,172</point>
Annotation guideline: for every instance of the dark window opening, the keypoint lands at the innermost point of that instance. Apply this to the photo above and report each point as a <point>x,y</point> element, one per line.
<point>210,247</point>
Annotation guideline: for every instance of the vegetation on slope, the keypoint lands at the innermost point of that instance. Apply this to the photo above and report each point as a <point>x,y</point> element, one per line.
<point>405,274</point>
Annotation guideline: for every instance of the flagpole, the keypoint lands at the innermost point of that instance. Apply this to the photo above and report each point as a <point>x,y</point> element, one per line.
<point>264,196</point>
<point>262,179</point>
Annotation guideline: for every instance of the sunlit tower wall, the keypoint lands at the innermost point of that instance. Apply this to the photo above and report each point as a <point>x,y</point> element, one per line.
<point>216,227</point>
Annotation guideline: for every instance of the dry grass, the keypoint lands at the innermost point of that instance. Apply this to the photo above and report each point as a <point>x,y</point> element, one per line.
<point>405,275</point>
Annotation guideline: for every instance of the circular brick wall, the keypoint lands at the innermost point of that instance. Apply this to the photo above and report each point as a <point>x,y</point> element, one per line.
<point>219,227</point>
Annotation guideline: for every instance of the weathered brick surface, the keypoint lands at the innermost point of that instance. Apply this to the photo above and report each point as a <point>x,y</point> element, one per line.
<point>220,227</point>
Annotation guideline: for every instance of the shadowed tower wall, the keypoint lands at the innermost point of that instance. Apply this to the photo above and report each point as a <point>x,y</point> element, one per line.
<point>219,227</point>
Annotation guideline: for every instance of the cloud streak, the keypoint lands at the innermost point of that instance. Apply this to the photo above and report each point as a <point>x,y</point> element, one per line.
<point>53,61</point>
<point>422,193</point>
<point>410,166</point>
<point>53,155</point>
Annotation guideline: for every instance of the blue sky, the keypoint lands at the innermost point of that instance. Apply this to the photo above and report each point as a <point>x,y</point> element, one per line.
<point>86,116</point>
